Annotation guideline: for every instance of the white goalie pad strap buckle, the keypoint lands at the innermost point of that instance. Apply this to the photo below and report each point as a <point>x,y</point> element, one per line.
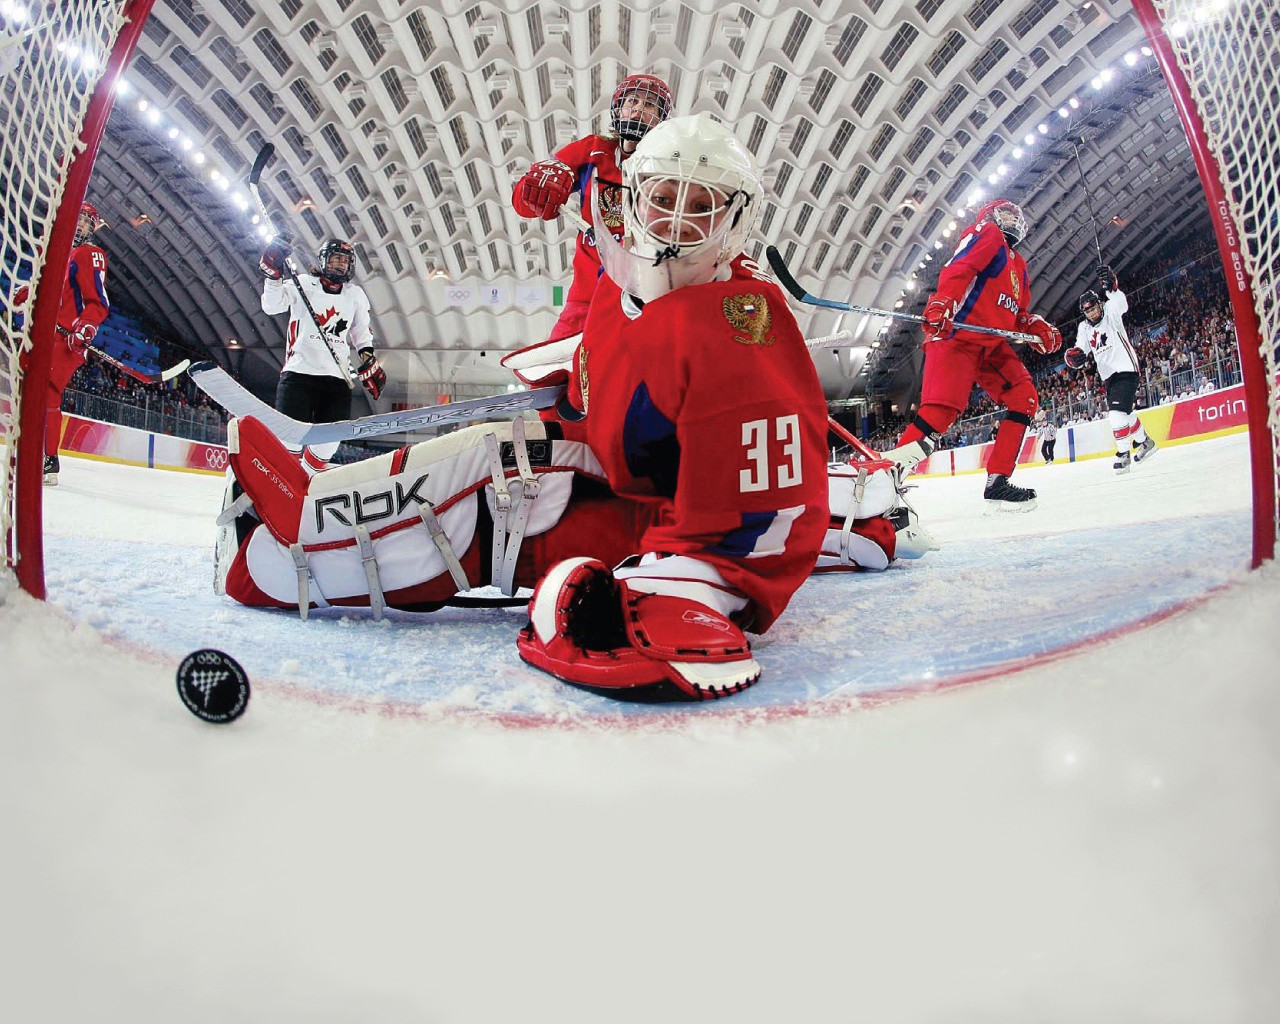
<point>529,485</point>
<point>235,510</point>
<point>501,500</point>
<point>377,602</point>
<point>305,580</point>
<point>859,490</point>
<point>427,513</point>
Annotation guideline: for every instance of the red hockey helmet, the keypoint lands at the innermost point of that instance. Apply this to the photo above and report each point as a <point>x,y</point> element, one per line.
<point>653,92</point>
<point>1008,217</point>
<point>83,234</point>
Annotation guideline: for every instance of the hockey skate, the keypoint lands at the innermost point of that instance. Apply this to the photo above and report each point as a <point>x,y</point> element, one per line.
<point>51,470</point>
<point>1123,462</point>
<point>1002,496</point>
<point>1144,451</point>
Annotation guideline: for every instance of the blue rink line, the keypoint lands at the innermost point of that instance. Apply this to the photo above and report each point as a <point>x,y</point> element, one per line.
<point>970,607</point>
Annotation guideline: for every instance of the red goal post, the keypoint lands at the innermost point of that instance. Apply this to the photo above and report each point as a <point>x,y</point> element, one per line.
<point>60,61</point>
<point>1220,60</point>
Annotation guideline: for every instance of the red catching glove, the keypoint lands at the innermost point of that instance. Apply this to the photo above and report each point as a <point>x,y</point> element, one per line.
<point>1075,358</point>
<point>1048,338</point>
<point>82,335</point>
<point>593,631</point>
<point>939,318</point>
<point>545,187</point>
<point>371,374</point>
<point>274,255</point>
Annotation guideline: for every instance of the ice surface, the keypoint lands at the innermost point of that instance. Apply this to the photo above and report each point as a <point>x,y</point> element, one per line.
<point>1093,837</point>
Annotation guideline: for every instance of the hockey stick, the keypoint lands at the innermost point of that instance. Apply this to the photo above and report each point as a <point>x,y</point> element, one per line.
<point>147,378</point>
<point>1088,197</point>
<point>227,392</point>
<point>255,175</point>
<point>788,282</point>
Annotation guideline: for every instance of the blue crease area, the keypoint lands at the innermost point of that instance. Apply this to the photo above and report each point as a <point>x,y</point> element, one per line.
<point>974,605</point>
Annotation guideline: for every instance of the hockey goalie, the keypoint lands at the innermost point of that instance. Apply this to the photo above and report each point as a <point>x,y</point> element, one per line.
<point>677,499</point>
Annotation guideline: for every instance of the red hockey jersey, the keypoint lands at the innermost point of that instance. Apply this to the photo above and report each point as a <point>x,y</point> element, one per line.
<point>988,282</point>
<point>84,291</point>
<point>596,155</point>
<point>705,405</point>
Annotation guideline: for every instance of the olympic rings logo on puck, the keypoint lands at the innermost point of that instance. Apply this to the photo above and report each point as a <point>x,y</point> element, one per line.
<point>213,686</point>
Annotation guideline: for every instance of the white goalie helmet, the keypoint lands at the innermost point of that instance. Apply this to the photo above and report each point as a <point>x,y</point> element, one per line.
<point>691,197</point>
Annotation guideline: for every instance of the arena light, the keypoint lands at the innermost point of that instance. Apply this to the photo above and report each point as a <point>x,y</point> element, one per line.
<point>198,157</point>
<point>1073,103</point>
<point>1017,152</point>
<point>142,106</point>
<point>1107,75</point>
<point>123,88</point>
<point>15,12</point>
<point>975,197</point>
<point>951,226</point>
<point>1146,51</point>
<point>153,116</point>
<point>1030,139</point>
<point>174,133</point>
<point>1131,58</point>
<point>1096,82</point>
<point>993,179</point>
<point>1042,128</point>
<point>187,144</point>
<point>1063,112</point>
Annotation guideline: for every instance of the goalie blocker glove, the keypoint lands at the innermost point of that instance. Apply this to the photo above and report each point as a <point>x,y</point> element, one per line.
<point>274,255</point>
<point>1048,337</point>
<point>594,631</point>
<point>371,374</point>
<point>545,188</point>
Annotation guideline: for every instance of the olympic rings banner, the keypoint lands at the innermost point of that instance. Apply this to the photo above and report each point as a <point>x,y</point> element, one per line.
<point>110,442</point>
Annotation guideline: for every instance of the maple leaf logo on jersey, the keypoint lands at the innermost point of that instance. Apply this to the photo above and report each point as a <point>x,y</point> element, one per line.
<point>609,204</point>
<point>750,315</point>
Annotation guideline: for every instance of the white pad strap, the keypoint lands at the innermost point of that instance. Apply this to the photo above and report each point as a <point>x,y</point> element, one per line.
<point>441,540</point>
<point>377,602</point>
<point>235,510</point>
<point>846,531</point>
<point>501,500</point>
<point>305,580</point>
<point>529,486</point>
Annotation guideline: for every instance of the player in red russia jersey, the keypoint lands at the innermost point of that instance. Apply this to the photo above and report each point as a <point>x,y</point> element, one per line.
<point>639,103</point>
<point>984,283</point>
<point>698,467</point>
<point>83,308</point>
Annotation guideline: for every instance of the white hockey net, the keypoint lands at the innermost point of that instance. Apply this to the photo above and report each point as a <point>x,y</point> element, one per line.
<point>52,57</point>
<point>1228,52</point>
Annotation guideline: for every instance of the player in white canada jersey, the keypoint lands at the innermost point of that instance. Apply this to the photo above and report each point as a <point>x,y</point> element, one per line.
<point>1102,335</point>
<point>328,330</point>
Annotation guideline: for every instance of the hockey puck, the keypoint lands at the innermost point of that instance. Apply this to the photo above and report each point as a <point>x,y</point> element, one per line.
<point>213,686</point>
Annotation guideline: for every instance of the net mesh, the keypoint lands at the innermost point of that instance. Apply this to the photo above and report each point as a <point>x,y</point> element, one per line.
<point>52,56</point>
<point>1229,53</point>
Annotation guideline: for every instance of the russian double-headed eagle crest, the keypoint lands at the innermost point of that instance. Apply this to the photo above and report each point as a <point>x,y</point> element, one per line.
<point>584,384</point>
<point>609,203</point>
<point>749,316</point>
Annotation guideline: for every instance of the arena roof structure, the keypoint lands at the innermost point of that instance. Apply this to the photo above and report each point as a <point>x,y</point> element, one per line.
<point>401,126</point>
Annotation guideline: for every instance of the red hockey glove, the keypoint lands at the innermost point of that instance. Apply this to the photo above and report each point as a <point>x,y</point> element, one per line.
<point>82,335</point>
<point>272,262</point>
<point>545,187</point>
<point>1075,358</point>
<point>1048,338</point>
<point>371,374</point>
<point>939,318</point>
<point>1107,278</point>
<point>593,631</point>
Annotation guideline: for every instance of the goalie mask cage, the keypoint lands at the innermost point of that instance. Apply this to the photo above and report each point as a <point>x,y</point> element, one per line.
<point>1222,63</point>
<point>60,61</point>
